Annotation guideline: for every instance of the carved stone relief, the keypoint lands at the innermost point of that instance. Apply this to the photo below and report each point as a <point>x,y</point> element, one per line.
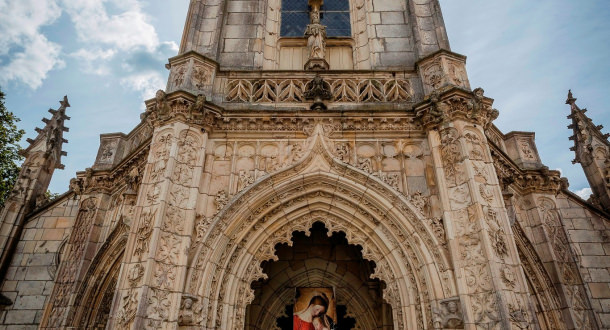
<point>448,315</point>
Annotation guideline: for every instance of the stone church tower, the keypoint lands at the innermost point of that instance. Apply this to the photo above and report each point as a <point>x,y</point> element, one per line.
<point>311,145</point>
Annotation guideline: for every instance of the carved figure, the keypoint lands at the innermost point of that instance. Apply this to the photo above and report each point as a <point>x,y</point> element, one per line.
<point>476,104</point>
<point>342,152</point>
<point>190,311</point>
<point>221,200</point>
<point>76,185</point>
<point>198,106</point>
<point>107,152</point>
<point>161,106</point>
<point>201,76</point>
<point>318,90</point>
<point>316,41</point>
<point>179,75</point>
<point>448,316</point>
<point>245,179</point>
<point>133,178</point>
<point>438,108</point>
<point>186,313</point>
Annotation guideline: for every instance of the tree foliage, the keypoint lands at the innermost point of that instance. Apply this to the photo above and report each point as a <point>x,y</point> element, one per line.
<point>9,150</point>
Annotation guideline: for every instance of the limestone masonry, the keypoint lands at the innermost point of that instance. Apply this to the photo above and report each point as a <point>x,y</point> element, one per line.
<point>310,144</point>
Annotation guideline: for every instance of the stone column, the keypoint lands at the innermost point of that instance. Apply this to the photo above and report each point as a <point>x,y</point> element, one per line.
<point>491,286</point>
<point>154,269</point>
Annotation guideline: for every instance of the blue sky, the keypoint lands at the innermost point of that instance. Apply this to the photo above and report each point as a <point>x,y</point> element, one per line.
<point>109,55</point>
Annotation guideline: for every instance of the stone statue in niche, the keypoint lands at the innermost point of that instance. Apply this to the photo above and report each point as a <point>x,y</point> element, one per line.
<point>316,39</point>
<point>316,35</point>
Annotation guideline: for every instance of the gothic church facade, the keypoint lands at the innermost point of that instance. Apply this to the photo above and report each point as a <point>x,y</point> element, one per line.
<point>310,144</point>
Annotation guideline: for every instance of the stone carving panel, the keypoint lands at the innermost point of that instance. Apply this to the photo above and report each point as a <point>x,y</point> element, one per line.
<point>341,90</point>
<point>443,69</point>
<point>70,267</point>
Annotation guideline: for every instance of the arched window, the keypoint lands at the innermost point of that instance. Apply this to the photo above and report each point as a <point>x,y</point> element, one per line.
<point>334,14</point>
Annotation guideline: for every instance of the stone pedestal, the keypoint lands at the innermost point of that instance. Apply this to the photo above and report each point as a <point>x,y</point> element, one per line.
<point>443,69</point>
<point>191,72</point>
<point>317,64</point>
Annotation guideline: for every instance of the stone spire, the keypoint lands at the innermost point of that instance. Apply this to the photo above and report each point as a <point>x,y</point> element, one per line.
<point>50,138</point>
<point>592,151</point>
<point>42,157</point>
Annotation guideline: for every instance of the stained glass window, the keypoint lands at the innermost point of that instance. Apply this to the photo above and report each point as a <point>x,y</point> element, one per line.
<point>334,14</point>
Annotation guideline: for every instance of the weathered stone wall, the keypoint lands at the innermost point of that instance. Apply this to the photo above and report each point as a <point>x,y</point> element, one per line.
<point>242,35</point>
<point>391,40</point>
<point>30,278</point>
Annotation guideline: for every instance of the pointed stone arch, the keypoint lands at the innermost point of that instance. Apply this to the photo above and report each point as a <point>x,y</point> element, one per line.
<point>409,258</point>
<point>541,285</point>
<point>94,296</point>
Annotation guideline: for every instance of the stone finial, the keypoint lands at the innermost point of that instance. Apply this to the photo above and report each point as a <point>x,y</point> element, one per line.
<point>571,99</point>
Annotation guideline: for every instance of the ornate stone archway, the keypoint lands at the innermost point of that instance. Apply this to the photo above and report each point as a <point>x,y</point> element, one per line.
<point>542,291</point>
<point>319,258</point>
<point>410,259</point>
<point>94,297</point>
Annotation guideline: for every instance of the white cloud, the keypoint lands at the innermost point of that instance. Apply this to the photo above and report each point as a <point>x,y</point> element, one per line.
<point>584,193</point>
<point>126,30</point>
<point>30,54</point>
<point>147,83</point>
<point>171,45</point>
<point>94,61</point>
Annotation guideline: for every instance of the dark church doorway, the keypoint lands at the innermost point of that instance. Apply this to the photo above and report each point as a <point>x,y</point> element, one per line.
<point>315,261</point>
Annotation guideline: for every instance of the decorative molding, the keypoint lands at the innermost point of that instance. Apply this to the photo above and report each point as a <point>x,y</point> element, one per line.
<point>351,90</point>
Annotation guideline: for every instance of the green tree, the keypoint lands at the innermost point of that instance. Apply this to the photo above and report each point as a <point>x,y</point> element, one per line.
<point>9,150</point>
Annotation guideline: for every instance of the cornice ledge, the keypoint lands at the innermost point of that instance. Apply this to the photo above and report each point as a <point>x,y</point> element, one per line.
<point>455,103</point>
<point>181,105</point>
